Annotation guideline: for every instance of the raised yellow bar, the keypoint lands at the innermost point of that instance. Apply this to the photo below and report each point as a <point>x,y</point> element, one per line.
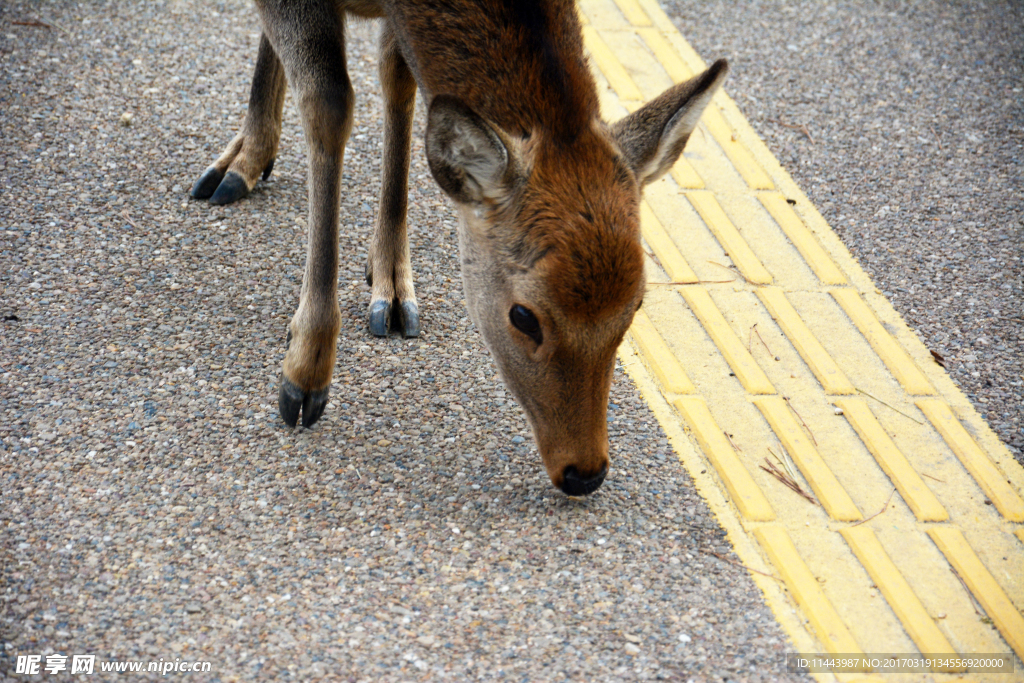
<point>729,237</point>
<point>885,345</point>
<point>922,502</point>
<point>810,349</point>
<point>610,66</point>
<point>666,55</point>
<point>661,21</point>
<point>633,13</point>
<point>991,480</point>
<point>806,590</point>
<point>686,175</point>
<point>831,494</point>
<point>740,157</point>
<point>802,238</point>
<point>744,492</point>
<point>676,267</point>
<point>659,357</point>
<point>898,593</point>
<point>736,355</point>
<point>981,584</point>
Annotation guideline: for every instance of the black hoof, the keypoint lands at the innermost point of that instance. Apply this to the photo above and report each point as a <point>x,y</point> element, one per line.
<point>410,319</point>
<point>231,189</point>
<point>291,400</point>
<point>207,184</point>
<point>380,318</point>
<point>368,273</point>
<point>268,170</point>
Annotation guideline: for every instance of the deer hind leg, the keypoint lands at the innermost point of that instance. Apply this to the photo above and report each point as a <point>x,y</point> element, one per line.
<point>254,149</point>
<point>309,38</point>
<point>388,269</point>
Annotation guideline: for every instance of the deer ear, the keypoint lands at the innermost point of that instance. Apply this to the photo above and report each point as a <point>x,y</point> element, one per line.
<point>467,157</point>
<point>653,137</point>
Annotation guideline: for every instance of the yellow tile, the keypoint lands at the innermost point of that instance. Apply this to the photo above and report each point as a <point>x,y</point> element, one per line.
<point>666,55</point>
<point>925,506</point>
<point>802,238</point>
<point>831,377</point>
<point>991,480</point>
<point>829,492</point>
<point>729,237</point>
<point>655,351</point>
<point>633,13</point>
<point>982,585</point>
<point>744,492</point>
<point>740,157</point>
<point>806,590</point>
<point>898,593</point>
<point>686,175</point>
<point>610,66</point>
<point>676,267</point>
<point>736,355</point>
<point>885,345</point>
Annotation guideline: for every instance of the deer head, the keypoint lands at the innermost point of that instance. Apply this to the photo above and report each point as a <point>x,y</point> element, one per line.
<point>552,264</point>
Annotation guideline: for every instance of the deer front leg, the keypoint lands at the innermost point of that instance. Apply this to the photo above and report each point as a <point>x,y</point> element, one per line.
<point>388,269</point>
<point>254,149</point>
<point>316,68</point>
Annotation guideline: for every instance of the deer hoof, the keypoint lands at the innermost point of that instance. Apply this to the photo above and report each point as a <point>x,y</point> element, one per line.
<point>231,189</point>
<point>268,170</point>
<point>291,400</point>
<point>410,319</point>
<point>380,318</point>
<point>207,184</point>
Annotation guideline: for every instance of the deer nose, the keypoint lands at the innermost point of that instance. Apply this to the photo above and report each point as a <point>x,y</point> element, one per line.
<point>576,484</point>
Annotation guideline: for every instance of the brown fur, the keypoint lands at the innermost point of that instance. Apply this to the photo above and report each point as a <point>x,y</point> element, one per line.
<point>548,194</point>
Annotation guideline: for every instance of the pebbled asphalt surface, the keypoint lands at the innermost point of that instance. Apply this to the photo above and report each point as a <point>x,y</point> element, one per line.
<point>153,505</point>
<point>913,152</point>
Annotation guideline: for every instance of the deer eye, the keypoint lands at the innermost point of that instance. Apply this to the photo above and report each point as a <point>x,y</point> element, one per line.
<point>526,322</point>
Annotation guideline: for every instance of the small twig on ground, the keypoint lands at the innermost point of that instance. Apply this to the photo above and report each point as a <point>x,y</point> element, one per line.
<point>809,433</point>
<point>800,127</point>
<point>937,140</point>
<point>784,460</point>
<point>44,24</point>
<point>738,449</point>
<point>124,214</point>
<point>40,24</point>
<point>739,564</point>
<point>698,282</point>
<point>758,333</point>
<point>931,477</point>
<point>884,508</point>
<point>787,481</point>
<point>733,270</point>
<point>969,593</point>
<point>861,391</point>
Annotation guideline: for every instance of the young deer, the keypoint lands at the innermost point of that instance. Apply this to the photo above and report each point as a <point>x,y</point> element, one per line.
<point>548,194</point>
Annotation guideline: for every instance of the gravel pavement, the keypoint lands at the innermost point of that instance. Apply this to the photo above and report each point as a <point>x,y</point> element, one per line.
<point>153,505</point>
<point>904,124</point>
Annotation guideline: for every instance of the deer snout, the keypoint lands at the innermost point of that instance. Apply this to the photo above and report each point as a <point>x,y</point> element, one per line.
<point>575,483</point>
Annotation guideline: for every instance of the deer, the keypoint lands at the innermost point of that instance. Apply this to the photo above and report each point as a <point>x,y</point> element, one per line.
<point>547,195</point>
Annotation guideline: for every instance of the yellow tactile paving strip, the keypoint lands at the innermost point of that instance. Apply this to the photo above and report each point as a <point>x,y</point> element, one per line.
<point>762,339</point>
